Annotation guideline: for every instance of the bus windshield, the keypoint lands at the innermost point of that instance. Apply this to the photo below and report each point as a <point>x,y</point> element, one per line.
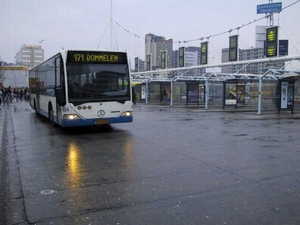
<point>94,83</point>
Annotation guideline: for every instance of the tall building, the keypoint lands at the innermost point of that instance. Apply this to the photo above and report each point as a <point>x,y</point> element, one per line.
<point>30,55</point>
<point>192,56</point>
<point>260,36</point>
<point>154,45</point>
<point>141,65</point>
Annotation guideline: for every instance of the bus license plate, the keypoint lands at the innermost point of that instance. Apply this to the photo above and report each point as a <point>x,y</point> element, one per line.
<point>99,122</point>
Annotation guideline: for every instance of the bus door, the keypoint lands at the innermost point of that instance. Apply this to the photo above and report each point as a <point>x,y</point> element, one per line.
<point>58,84</point>
<point>38,87</point>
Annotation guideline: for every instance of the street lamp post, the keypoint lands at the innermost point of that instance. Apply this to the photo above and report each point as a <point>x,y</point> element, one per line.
<point>41,42</point>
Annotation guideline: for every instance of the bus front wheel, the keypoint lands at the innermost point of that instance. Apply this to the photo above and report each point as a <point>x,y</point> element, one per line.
<point>35,109</point>
<point>51,115</point>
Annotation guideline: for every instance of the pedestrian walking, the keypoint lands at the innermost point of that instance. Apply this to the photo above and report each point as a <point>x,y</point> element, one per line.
<point>7,93</point>
<point>164,94</point>
<point>133,95</point>
<point>1,98</point>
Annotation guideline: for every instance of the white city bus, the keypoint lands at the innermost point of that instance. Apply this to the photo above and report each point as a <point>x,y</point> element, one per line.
<point>83,88</point>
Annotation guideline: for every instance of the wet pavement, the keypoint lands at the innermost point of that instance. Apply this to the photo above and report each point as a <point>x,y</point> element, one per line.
<point>172,165</point>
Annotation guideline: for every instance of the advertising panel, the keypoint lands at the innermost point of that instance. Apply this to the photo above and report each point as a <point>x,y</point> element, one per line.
<point>284,94</point>
<point>230,94</point>
<point>290,95</point>
<point>247,90</point>
<point>286,90</point>
<point>241,94</point>
<point>143,91</point>
<point>192,93</point>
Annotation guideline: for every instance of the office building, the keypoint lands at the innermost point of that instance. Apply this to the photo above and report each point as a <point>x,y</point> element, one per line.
<point>154,45</point>
<point>30,55</point>
<point>260,36</point>
<point>142,65</point>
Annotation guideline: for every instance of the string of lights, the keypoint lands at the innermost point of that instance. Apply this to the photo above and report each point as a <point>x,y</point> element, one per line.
<point>138,36</point>
<point>214,35</point>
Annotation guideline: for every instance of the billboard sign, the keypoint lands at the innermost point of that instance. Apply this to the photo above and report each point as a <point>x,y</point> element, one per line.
<point>284,94</point>
<point>230,93</point>
<point>290,95</point>
<point>143,91</point>
<point>269,8</point>
<point>192,93</point>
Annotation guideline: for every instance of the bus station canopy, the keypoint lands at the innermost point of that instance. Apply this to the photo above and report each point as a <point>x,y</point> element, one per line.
<point>182,73</point>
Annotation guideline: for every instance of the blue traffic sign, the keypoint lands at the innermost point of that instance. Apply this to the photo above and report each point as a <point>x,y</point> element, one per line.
<point>269,8</point>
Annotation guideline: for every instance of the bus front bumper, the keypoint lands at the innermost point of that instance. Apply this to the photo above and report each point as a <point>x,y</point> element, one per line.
<point>79,122</point>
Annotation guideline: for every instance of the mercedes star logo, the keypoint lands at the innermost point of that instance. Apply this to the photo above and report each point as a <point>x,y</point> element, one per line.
<point>101,113</point>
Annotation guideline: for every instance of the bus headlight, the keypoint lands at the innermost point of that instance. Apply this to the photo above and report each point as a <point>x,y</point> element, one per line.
<point>71,116</point>
<point>127,113</point>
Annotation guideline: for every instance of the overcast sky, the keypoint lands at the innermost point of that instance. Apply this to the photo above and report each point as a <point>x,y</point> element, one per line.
<point>78,24</point>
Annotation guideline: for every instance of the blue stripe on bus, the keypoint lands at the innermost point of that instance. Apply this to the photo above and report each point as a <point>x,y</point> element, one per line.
<point>91,122</point>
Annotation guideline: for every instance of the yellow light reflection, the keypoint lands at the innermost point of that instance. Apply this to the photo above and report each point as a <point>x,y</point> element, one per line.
<point>128,153</point>
<point>74,169</point>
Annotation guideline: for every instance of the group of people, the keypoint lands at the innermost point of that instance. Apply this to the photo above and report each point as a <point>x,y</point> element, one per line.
<point>9,94</point>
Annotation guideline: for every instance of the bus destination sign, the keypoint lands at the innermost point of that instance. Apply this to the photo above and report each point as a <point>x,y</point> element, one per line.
<point>96,57</point>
